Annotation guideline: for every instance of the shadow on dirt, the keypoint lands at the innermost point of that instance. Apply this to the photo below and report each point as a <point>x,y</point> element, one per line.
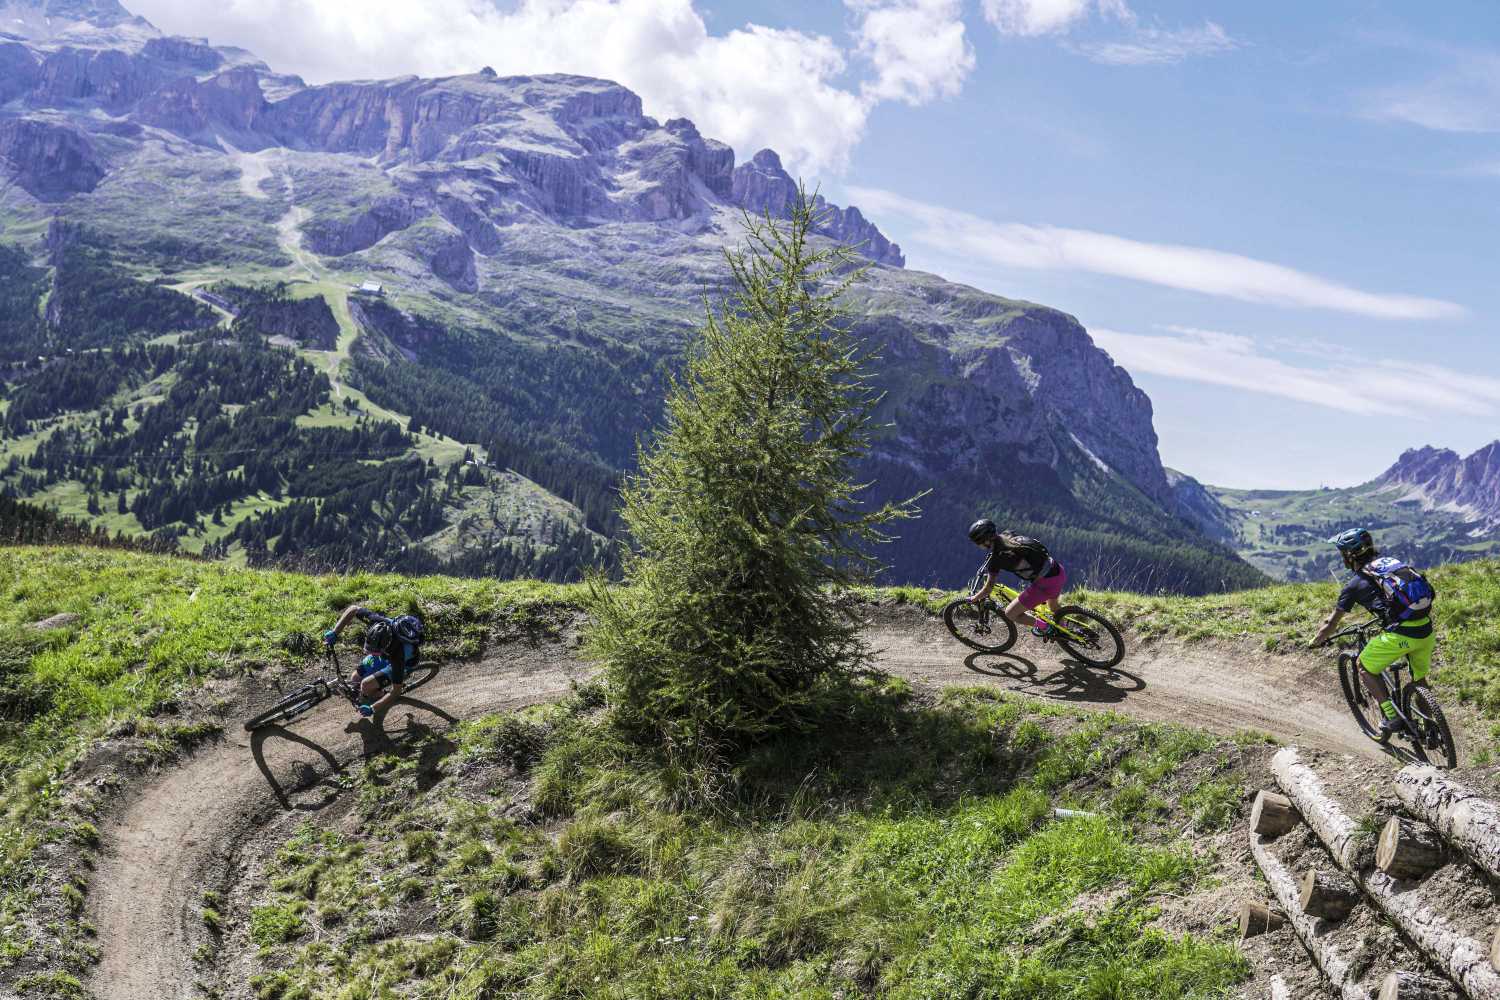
<point>408,727</point>
<point>1072,681</point>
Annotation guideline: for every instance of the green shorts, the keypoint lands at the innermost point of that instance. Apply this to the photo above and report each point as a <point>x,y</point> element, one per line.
<point>1388,647</point>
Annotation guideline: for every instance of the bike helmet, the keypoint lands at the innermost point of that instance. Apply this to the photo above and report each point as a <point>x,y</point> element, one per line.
<point>378,636</point>
<point>982,530</point>
<point>1355,545</point>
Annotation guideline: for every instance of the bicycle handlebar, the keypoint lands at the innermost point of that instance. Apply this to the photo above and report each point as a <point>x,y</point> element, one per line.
<point>1352,630</point>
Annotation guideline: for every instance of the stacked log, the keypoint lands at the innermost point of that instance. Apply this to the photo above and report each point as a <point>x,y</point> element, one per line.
<point>1257,919</point>
<point>1410,986</point>
<point>1336,967</point>
<point>1272,815</point>
<point>1464,818</point>
<point>1327,895</point>
<point>1464,959</point>
<point>1408,850</point>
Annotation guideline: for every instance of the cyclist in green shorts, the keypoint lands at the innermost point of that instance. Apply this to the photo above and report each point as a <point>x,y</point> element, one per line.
<point>1401,598</point>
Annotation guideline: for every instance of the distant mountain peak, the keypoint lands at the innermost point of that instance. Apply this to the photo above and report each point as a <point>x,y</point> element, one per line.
<point>1442,478</point>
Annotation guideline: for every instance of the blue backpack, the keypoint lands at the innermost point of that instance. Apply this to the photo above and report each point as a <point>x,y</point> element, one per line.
<point>1408,595</point>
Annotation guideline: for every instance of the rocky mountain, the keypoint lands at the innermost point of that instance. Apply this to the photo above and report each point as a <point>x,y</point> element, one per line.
<point>541,249</point>
<point>1432,506</point>
<point>1440,479</point>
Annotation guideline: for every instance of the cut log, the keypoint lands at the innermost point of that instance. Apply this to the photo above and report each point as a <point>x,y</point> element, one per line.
<point>1408,849</point>
<point>1467,820</point>
<point>1257,919</point>
<point>1410,986</point>
<point>1328,820</point>
<point>1495,951</point>
<point>1279,989</point>
<point>1335,967</point>
<point>1419,917</point>
<point>1272,814</point>
<point>1327,895</point>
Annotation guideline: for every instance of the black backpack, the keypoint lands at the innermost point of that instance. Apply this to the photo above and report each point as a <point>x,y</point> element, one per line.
<point>1032,550</point>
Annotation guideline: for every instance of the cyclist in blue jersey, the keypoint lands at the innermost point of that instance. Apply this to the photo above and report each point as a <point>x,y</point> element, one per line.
<point>391,645</point>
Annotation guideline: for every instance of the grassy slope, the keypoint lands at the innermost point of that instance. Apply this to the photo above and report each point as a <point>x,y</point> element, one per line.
<point>148,627</point>
<point>907,848</point>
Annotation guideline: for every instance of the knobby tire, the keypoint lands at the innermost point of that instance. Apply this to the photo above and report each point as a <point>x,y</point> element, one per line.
<point>1099,644</point>
<point>1358,699</point>
<point>961,617</point>
<point>289,707</point>
<point>1429,721</point>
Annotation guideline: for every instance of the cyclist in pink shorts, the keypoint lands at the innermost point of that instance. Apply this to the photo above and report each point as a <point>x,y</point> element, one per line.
<point>1028,559</point>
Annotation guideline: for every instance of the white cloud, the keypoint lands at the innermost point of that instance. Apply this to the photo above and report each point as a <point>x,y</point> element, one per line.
<point>1154,46</point>
<point>1037,17</point>
<point>917,48</point>
<point>1197,269</point>
<point>1464,97</point>
<point>1238,362</point>
<point>753,86</point>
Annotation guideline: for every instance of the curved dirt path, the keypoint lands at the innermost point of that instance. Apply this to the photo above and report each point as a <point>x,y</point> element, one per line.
<point>182,834</point>
<point>190,829</point>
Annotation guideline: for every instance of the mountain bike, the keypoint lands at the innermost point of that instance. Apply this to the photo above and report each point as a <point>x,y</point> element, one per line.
<point>1091,638</point>
<point>310,695</point>
<point>1416,706</point>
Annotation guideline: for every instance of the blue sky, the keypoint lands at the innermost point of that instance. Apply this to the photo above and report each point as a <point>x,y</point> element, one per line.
<point>1278,216</point>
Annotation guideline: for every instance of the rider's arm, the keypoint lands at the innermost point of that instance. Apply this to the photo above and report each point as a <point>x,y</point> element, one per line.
<point>346,618</point>
<point>1329,626</point>
<point>989,585</point>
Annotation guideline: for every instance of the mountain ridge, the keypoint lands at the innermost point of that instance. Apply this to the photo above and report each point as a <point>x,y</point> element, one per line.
<point>543,250</point>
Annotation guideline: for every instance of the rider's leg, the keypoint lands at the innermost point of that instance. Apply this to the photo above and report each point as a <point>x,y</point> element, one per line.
<point>1420,658</point>
<point>1379,653</point>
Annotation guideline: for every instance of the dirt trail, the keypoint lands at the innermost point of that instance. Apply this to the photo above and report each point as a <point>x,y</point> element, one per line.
<point>183,833</point>
<point>199,825</point>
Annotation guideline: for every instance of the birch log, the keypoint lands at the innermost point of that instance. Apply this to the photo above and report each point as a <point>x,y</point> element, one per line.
<point>1334,966</point>
<point>1465,960</point>
<point>1465,819</point>
<point>1327,894</point>
<point>1410,986</point>
<point>1257,919</point>
<point>1272,814</point>
<point>1334,827</point>
<point>1408,849</point>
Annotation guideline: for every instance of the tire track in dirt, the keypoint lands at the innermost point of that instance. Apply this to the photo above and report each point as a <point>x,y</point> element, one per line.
<point>184,832</point>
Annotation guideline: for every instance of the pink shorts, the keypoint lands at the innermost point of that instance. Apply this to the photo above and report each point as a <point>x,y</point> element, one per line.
<point>1044,589</point>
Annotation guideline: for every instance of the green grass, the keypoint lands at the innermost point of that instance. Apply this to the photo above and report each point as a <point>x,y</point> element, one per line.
<point>908,849</point>
<point>147,629</point>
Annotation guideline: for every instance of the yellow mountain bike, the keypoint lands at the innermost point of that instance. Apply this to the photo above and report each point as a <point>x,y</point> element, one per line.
<point>1091,638</point>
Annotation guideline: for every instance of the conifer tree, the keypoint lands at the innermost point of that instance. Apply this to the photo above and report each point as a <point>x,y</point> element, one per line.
<point>745,515</point>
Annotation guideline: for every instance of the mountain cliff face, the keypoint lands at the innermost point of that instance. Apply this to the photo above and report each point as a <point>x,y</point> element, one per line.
<point>547,228</point>
<point>1440,478</point>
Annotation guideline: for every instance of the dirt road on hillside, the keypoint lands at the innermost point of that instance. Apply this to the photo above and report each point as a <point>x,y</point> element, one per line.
<point>206,822</point>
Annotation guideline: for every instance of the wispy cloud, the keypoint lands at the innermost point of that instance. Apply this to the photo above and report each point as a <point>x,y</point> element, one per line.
<point>1463,97</point>
<point>1155,46</point>
<point>1239,362</point>
<point>1211,272</point>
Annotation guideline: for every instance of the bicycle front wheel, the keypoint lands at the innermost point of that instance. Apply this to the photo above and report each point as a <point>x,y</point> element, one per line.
<point>990,632</point>
<point>1429,727</point>
<point>1366,708</point>
<point>1091,638</point>
<point>288,708</point>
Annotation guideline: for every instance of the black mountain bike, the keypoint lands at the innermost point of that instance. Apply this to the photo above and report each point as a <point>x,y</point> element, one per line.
<point>1091,638</point>
<point>1416,706</point>
<point>310,695</point>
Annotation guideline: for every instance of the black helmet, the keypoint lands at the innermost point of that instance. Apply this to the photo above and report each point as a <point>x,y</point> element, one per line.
<point>1355,545</point>
<point>378,636</point>
<point>982,530</point>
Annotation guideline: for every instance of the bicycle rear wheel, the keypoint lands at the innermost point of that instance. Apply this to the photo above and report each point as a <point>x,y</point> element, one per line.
<point>991,633</point>
<point>1091,638</point>
<point>1366,709</point>
<point>288,708</point>
<point>1429,727</point>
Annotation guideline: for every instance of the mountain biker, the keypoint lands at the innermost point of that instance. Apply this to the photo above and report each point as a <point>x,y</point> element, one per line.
<point>392,647</point>
<point>1028,559</point>
<point>1401,599</point>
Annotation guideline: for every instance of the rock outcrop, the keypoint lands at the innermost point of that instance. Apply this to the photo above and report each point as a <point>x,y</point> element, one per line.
<point>50,161</point>
<point>1194,503</point>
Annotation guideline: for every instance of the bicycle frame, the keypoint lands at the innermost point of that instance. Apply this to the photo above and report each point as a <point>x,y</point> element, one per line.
<point>1390,677</point>
<point>1008,594</point>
